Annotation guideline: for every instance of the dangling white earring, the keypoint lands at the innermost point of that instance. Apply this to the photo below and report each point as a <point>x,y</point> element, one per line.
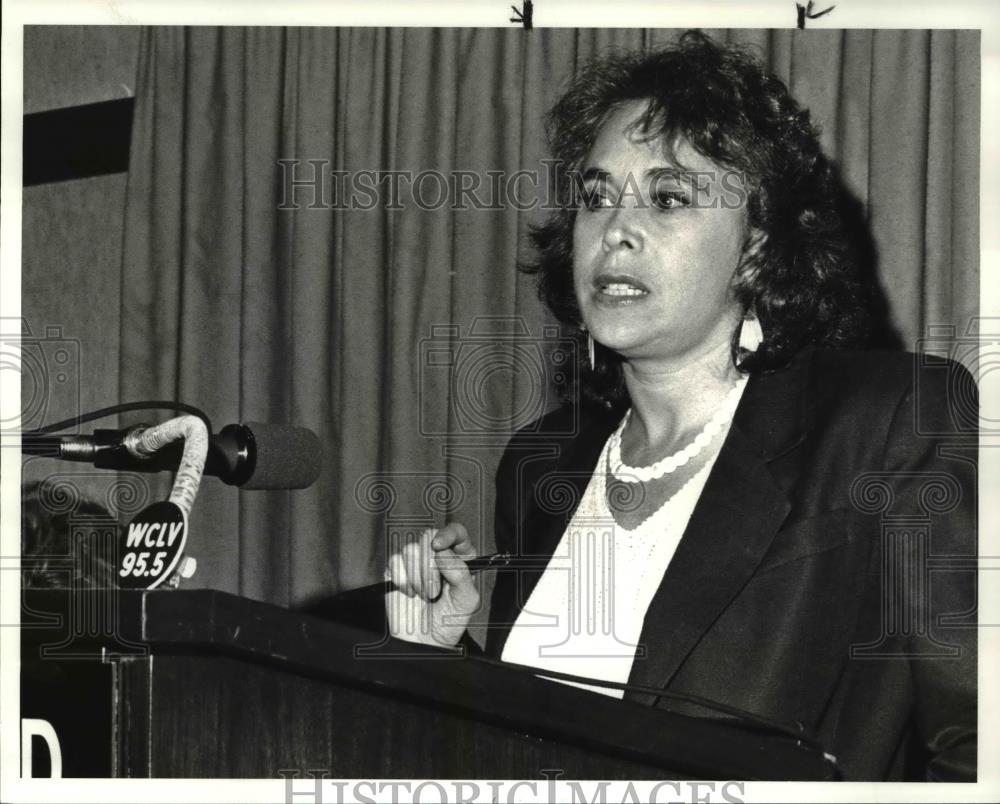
<point>751,335</point>
<point>591,350</point>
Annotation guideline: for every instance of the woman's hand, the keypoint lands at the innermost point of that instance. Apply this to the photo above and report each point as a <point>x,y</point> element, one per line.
<point>435,595</point>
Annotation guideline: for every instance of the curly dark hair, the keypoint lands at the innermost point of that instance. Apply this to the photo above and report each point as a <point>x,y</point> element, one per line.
<point>799,271</point>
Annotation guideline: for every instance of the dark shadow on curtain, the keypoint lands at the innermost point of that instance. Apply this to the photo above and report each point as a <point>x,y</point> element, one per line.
<point>884,334</point>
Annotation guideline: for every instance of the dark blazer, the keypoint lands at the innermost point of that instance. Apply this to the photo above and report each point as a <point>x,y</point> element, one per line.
<point>827,574</point>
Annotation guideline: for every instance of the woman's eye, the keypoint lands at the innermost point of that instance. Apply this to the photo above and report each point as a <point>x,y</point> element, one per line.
<point>670,200</point>
<point>596,199</point>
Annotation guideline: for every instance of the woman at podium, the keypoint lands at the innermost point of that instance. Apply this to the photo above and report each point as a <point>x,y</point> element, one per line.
<point>737,502</point>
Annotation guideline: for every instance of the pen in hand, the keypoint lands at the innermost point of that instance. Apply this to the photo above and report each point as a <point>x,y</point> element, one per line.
<point>497,561</point>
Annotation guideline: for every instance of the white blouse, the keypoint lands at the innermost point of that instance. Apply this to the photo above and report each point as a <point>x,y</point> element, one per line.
<point>586,613</point>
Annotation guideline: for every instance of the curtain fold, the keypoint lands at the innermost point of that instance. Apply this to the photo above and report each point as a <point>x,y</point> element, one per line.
<point>378,327</point>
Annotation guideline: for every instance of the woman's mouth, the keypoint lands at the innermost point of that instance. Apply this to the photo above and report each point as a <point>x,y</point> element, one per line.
<point>619,289</point>
<point>622,289</point>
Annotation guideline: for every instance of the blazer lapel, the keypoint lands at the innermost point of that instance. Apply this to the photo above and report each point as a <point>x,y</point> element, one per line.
<point>734,522</point>
<point>558,492</point>
<point>721,547</point>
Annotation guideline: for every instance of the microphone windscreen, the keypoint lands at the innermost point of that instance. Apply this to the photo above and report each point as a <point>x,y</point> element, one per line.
<point>287,457</point>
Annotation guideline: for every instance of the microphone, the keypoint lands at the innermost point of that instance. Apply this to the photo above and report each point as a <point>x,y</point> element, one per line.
<point>253,456</point>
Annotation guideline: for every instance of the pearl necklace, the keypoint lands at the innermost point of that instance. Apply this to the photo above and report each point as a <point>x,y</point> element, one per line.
<point>636,474</point>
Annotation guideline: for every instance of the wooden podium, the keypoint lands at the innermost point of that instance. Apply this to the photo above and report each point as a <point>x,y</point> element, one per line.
<point>206,684</point>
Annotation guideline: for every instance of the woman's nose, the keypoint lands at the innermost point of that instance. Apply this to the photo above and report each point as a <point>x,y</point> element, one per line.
<point>622,231</point>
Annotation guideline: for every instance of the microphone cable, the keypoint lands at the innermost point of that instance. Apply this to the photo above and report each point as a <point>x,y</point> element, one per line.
<point>796,731</point>
<point>125,407</point>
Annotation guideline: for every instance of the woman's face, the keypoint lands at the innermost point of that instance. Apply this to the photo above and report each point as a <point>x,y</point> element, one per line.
<point>655,250</point>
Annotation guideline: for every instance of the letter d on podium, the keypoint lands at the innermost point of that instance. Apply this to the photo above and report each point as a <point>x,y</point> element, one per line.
<point>30,727</point>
